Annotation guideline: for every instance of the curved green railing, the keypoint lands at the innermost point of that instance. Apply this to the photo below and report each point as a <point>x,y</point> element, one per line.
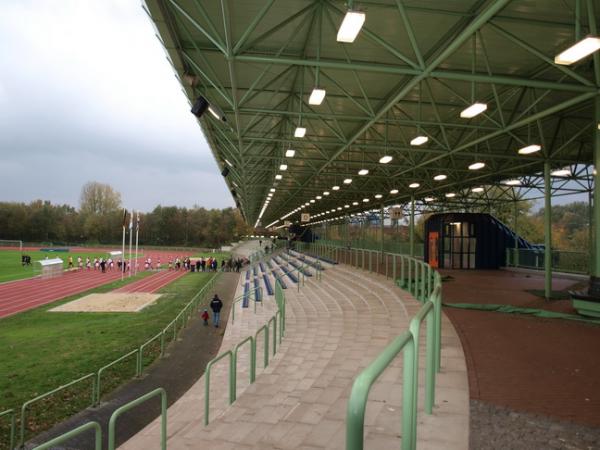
<point>75,432</point>
<point>425,285</point>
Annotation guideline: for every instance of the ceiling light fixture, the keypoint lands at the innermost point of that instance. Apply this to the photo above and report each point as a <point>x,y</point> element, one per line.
<point>477,166</point>
<point>351,25</point>
<point>474,110</point>
<point>440,177</point>
<point>414,185</point>
<point>450,194</point>
<point>578,51</point>
<point>316,96</point>
<point>348,181</point>
<point>530,149</point>
<point>283,167</point>
<point>363,171</point>
<point>365,200</point>
<point>300,132</point>
<point>477,189</point>
<point>514,182</point>
<point>278,176</point>
<point>290,153</point>
<point>561,172</point>
<point>336,188</point>
<point>385,159</point>
<point>419,140</point>
<point>394,191</point>
<point>429,199</point>
<point>378,195</point>
<point>325,192</point>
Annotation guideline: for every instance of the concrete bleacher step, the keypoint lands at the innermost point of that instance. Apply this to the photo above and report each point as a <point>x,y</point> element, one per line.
<point>334,329</point>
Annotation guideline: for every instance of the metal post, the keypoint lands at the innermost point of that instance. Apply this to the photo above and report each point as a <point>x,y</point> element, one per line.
<point>412,226</point>
<point>515,216</point>
<point>595,270</point>
<point>547,231</point>
<point>382,235</point>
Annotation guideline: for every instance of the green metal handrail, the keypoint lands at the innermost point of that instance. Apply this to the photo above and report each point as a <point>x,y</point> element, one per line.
<point>265,330</point>
<point>424,284</point>
<point>47,394</point>
<point>252,362</point>
<point>135,352</point>
<point>211,363</point>
<point>357,403</point>
<point>13,425</point>
<point>75,432</point>
<point>132,404</point>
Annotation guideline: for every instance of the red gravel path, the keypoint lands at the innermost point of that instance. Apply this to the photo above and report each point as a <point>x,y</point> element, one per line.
<point>542,366</point>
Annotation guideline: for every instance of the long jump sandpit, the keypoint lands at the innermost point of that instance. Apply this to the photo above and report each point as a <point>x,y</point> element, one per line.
<point>110,302</point>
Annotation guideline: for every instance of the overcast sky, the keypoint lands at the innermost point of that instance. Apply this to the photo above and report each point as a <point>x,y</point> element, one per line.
<point>86,94</point>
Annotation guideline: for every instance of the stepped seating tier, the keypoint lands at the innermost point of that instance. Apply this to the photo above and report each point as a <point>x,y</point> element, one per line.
<point>334,329</point>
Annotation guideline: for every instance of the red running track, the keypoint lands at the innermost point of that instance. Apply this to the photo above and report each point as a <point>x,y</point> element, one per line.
<point>22,295</point>
<point>154,282</point>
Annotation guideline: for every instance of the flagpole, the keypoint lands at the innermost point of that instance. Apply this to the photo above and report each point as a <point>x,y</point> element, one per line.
<point>137,235</point>
<point>123,249</point>
<point>130,239</point>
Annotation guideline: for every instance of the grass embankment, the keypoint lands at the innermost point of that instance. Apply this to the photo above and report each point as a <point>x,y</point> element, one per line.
<point>11,268</point>
<point>42,351</point>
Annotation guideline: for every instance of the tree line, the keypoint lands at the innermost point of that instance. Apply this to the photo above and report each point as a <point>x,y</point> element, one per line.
<point>99,220</point>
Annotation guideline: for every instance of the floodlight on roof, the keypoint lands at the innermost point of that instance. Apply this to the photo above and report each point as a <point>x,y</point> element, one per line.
<point>473,110</point>
<point>530,149</point>
<point>477,166</point>
<point>419,140</point>
<point>514,182</point>
<point>351,25</point>
<point>579,50</point>
<point>300,132</point>
<point>316,96</point>
<point>561,172</point>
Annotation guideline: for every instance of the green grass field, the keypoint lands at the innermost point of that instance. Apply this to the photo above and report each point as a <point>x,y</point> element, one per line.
<point>11,268</point>
<point>43,350</point>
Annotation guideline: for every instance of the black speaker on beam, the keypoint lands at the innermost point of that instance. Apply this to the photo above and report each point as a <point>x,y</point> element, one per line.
<point>225,171</point>
<point>200,105</point>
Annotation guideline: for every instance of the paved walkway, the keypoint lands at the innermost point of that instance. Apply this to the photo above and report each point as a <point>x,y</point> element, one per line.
<point>542,366</point>
<point>334,329</point>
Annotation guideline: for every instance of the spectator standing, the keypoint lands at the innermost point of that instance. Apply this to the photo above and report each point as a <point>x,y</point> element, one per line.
<point>216,304</point>
<point>204,317</point>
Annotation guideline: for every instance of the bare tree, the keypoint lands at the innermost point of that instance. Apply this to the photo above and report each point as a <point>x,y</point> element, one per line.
<point>98,198</point>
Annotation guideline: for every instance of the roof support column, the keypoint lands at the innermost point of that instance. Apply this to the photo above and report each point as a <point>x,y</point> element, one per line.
<point>515,229</point>
<point>411,227</point>
<point>382,229</point>
<point>595,269</point>
<point>547,231</point>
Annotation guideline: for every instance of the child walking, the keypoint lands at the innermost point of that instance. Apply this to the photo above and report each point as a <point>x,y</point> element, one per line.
<point>204,317</point>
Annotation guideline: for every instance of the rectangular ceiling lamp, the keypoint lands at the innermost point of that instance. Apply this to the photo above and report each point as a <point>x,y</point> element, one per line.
<point>578,51</point>
<point>473,110</point>
<point>419,140</point>
<point>316,96</point>
<point>290,153</point>
<point>351,25</point>
<point>300,132</point>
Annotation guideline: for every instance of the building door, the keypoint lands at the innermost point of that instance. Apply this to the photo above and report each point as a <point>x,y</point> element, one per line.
<point>459,245</point>
<point>432,242</point>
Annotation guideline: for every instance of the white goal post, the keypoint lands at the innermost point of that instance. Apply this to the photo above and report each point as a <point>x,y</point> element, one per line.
<point>12,243</point>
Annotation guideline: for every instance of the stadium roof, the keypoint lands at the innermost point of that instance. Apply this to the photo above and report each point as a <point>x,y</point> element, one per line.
<point>413,68</point>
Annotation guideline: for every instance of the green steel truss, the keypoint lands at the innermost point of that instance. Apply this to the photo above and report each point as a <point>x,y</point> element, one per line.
<point>414,66</point>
